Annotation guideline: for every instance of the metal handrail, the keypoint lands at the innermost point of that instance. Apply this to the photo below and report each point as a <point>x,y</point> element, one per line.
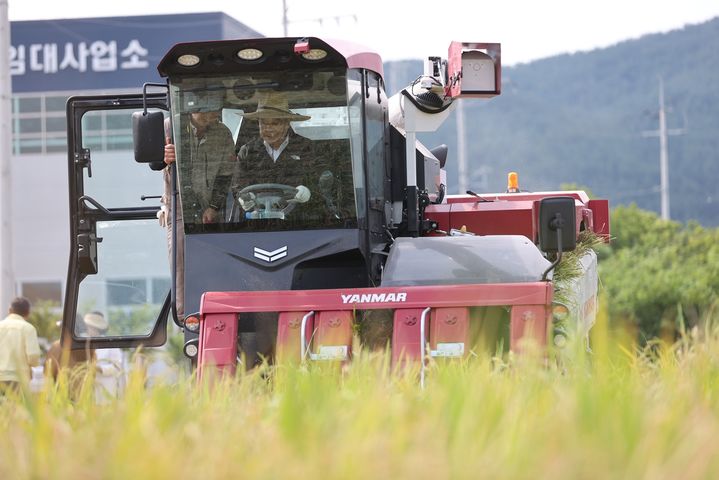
<point>303,341</point>
<point>422,339</point>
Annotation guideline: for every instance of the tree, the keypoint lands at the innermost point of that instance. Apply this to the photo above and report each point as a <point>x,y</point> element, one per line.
<point>45,315</point>
<point>660,273</point>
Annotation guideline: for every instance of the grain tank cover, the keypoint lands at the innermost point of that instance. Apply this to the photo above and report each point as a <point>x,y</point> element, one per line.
<point>463,260</point>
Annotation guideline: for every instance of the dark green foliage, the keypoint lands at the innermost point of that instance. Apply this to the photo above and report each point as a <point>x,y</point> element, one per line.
<point>135,320</point>
<point>44,315</point>
<point>578,118</point>
<point>660,274</point>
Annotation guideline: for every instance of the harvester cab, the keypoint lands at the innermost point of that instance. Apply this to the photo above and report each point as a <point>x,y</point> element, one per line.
<point>299,204</point>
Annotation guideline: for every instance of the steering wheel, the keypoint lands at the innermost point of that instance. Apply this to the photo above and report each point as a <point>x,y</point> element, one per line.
<point>271,200</point>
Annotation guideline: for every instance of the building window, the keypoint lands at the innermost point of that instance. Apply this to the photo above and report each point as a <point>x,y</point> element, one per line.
<point>56,144</point>
<point>42,291</point>
<point>93,121</point>
<point>55,104</point>
<point>29,104</point>
<point>29,125</point>
<point>118,121</point>
<point>55,124</point>
<point>39,126</point>
<point>29,145</point>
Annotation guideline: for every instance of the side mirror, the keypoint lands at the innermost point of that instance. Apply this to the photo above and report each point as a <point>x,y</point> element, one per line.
<point>148,136</point>
<point>557,224</point>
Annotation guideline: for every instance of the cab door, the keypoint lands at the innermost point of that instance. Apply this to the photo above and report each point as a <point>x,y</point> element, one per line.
<point>118,264</point>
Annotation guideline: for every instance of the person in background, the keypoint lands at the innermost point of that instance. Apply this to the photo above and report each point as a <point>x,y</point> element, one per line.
<point>19,347</point>
<point>64,358</point>
<point>109,362</point>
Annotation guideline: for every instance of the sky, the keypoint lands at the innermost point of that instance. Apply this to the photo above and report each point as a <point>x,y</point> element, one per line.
<point>527,29</point>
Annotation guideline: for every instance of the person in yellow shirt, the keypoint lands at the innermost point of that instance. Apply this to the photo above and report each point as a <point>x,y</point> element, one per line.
<point>19,348</point>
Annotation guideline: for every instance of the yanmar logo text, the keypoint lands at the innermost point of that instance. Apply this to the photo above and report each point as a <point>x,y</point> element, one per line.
<point>374,297</point>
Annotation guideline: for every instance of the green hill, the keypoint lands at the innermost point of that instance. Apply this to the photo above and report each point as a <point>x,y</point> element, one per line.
<point>578,118</point>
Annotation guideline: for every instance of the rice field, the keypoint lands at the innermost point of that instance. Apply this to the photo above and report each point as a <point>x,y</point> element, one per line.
<point>615,413</point>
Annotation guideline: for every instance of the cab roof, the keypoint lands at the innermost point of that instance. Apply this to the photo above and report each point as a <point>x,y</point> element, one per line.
<point>217,57</point>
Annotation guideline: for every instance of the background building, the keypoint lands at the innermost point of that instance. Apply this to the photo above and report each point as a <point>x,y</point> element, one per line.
<point>51,60</point>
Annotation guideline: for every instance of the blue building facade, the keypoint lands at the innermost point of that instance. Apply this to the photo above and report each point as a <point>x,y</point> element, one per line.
<point>106,53</point>
<point>52,60</point>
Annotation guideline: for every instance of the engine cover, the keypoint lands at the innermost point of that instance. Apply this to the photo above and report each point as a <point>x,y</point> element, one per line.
<point>463,260</point>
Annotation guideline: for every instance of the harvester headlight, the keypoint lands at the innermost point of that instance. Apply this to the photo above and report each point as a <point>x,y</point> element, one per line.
<point>315,54</point>
<point>191,348</point>
<point>560,312</point>
<point>249,54</point>
<point>188,60</point>
<point>192,323</point>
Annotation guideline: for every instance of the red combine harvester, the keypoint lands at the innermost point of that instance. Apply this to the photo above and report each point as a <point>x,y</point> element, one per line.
<point>284,246</point>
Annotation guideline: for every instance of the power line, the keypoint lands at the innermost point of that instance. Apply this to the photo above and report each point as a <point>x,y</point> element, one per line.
<point>284,17</point>
<point>337,18</point>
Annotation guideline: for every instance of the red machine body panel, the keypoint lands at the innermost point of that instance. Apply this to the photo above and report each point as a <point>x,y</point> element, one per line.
<point>600,209</point>
<point>406,341</point>
<point>530,293</point>
<point>528,322</point>
<point>218,343</point>
<point>332,335</point>
<point>334,312</point>
<point>449,327</point>
<point>289,335</point>
<point>514,213</point>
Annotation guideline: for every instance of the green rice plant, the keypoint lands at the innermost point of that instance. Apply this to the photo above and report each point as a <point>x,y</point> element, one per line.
<point>621,412</point>
<point>569,269</point>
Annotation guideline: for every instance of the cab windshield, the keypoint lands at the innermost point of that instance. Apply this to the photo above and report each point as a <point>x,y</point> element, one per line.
<point>264,151</point>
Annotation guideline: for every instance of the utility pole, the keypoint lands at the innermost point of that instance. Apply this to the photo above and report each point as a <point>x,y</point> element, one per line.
<point>284,17</point>
<point>7,276</point>
<point>663,133</point>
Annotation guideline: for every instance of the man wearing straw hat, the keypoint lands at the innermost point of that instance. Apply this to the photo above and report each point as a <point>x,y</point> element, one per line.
<point>279,155</point>
<point>75,361</point>
<point>109,378</point>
